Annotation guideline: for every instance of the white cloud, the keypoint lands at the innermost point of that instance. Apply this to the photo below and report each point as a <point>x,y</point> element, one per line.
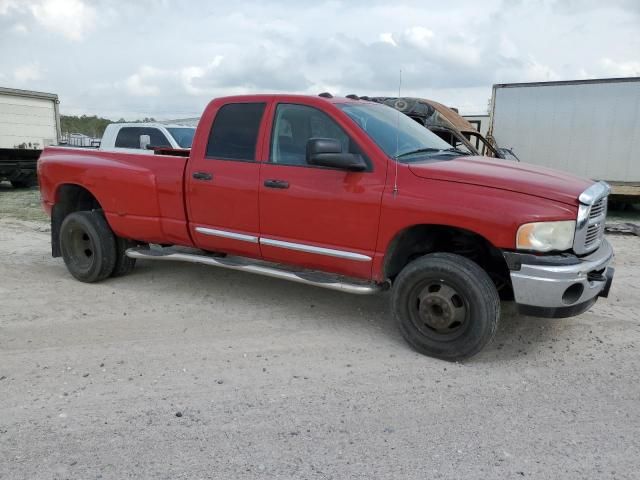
<point>159,58</point>
<point>7,5</point>
<point>70,18</point>
<point>142,84</point>
<point>537,72</point>
<point>419,37</point>
<point>150,81</point>
<point>620,69</point>
<point>387,37</point>
<point>191,74</point>
<point>507,48</point>
<point>20,28</point>
<point>26,73</point>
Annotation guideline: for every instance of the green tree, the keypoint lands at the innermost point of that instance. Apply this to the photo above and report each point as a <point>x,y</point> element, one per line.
<point>93,126</point>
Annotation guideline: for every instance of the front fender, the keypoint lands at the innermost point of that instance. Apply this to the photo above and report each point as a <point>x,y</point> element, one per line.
<point>490,213</point>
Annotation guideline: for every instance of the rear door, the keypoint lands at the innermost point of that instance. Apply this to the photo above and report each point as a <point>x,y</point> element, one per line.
<point>222,179</point>
<point>317,217</point>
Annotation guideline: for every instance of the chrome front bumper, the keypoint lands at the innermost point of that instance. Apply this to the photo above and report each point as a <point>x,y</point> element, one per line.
<point>560,285</point>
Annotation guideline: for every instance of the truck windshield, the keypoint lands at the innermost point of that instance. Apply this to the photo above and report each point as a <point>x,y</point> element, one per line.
<point>183,135</point>
<point>398,135</point>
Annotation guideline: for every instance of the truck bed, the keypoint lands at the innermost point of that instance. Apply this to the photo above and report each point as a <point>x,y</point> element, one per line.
<point>143,199</point>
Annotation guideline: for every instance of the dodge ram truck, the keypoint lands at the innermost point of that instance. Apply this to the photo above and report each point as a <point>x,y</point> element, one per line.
<point>343,194</point>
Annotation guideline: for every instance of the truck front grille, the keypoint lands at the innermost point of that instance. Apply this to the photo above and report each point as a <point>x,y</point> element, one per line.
<point>591,223</point>
<point>593,236</point>
<point>598,208</point>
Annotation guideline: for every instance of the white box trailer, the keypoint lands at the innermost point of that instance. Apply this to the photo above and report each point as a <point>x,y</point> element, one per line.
<point>29,121</point>
<point>587,127</point>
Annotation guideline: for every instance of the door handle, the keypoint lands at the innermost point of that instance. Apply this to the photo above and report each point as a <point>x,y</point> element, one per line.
<point>276,184</point>
<point>202,176</point>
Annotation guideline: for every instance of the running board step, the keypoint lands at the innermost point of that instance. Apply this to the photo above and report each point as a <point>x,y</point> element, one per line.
<point>308,277</point>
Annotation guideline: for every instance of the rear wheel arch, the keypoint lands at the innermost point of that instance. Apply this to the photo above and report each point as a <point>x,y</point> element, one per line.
<point>71,198</point>
<point>422,239</point>
<point>71,193</point>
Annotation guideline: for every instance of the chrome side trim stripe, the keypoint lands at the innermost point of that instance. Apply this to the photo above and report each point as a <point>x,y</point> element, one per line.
<point>225,234</point>
<point>318,250</point>
<point>300,247</point>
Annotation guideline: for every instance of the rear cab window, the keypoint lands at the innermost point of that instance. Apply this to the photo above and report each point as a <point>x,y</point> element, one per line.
<point>234,133</point>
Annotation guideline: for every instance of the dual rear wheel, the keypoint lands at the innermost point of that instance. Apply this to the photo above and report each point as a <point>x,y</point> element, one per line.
<point>90,249</point>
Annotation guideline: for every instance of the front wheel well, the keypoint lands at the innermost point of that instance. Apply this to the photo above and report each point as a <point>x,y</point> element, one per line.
<point>419,240</point>
<point>69,198</point>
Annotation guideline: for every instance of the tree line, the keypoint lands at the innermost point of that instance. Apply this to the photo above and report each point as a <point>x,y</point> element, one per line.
<point>92,126</point>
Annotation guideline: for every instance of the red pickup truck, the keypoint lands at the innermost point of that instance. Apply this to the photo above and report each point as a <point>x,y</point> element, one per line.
<point>343,194</point>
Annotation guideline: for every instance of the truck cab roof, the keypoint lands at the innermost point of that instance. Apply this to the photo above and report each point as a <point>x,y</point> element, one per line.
<point>332,99</point>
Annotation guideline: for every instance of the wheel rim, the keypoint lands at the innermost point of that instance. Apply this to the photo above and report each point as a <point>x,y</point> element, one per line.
<point>439,310</point>
<point>80,248</point>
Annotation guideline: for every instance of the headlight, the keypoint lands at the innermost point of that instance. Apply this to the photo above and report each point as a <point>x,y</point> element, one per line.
<point>546,236</point>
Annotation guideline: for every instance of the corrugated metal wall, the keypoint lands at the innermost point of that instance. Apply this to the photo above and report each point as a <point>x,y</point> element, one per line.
<point>26,120</point>
<point>590,129</point>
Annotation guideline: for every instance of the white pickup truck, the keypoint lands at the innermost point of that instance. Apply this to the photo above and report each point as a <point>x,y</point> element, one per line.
<point>145,137</point>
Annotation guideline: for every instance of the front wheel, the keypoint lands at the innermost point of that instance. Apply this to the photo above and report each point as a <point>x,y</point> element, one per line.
<point>88,246</point>
<point>446,306</point>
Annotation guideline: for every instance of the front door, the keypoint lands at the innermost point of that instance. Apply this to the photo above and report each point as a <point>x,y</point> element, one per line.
<point>316,217</point>
<point>222,181</point>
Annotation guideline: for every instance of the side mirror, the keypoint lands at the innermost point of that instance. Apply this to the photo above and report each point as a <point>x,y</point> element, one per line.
<point>327,152</point>
<point>145,141</point>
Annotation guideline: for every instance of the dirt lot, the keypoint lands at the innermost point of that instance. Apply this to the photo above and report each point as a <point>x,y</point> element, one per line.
<point>183,371</point>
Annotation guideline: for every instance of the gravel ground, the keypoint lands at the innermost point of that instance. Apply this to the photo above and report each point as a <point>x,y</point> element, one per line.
<point>22,203</point>
<point>184,371</point>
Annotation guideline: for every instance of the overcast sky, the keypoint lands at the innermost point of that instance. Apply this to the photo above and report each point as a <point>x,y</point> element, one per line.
<point>166,58</point>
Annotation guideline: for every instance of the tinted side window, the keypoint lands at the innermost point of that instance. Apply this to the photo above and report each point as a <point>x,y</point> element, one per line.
<point>129,137</point>
<point>234,133</point>
<point>158,139</point>
<point>294,125</point>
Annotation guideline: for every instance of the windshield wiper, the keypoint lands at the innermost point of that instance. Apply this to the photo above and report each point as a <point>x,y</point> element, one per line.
<point>456,150</point>
<point>418,150</point>
<point>433,150</point>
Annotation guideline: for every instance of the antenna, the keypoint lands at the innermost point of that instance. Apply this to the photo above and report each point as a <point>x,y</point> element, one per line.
<point>395,180</point>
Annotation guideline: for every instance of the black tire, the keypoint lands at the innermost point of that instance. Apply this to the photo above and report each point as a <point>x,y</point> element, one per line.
<point>124,264</point>
<point>446,306</point>
<point>88,246</point>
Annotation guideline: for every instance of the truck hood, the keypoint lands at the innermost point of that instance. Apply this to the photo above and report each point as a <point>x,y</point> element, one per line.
<point>505,175</point>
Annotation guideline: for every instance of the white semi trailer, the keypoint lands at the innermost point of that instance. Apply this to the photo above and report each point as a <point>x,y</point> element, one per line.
<point>587,127</point>
<point>29,121</point>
